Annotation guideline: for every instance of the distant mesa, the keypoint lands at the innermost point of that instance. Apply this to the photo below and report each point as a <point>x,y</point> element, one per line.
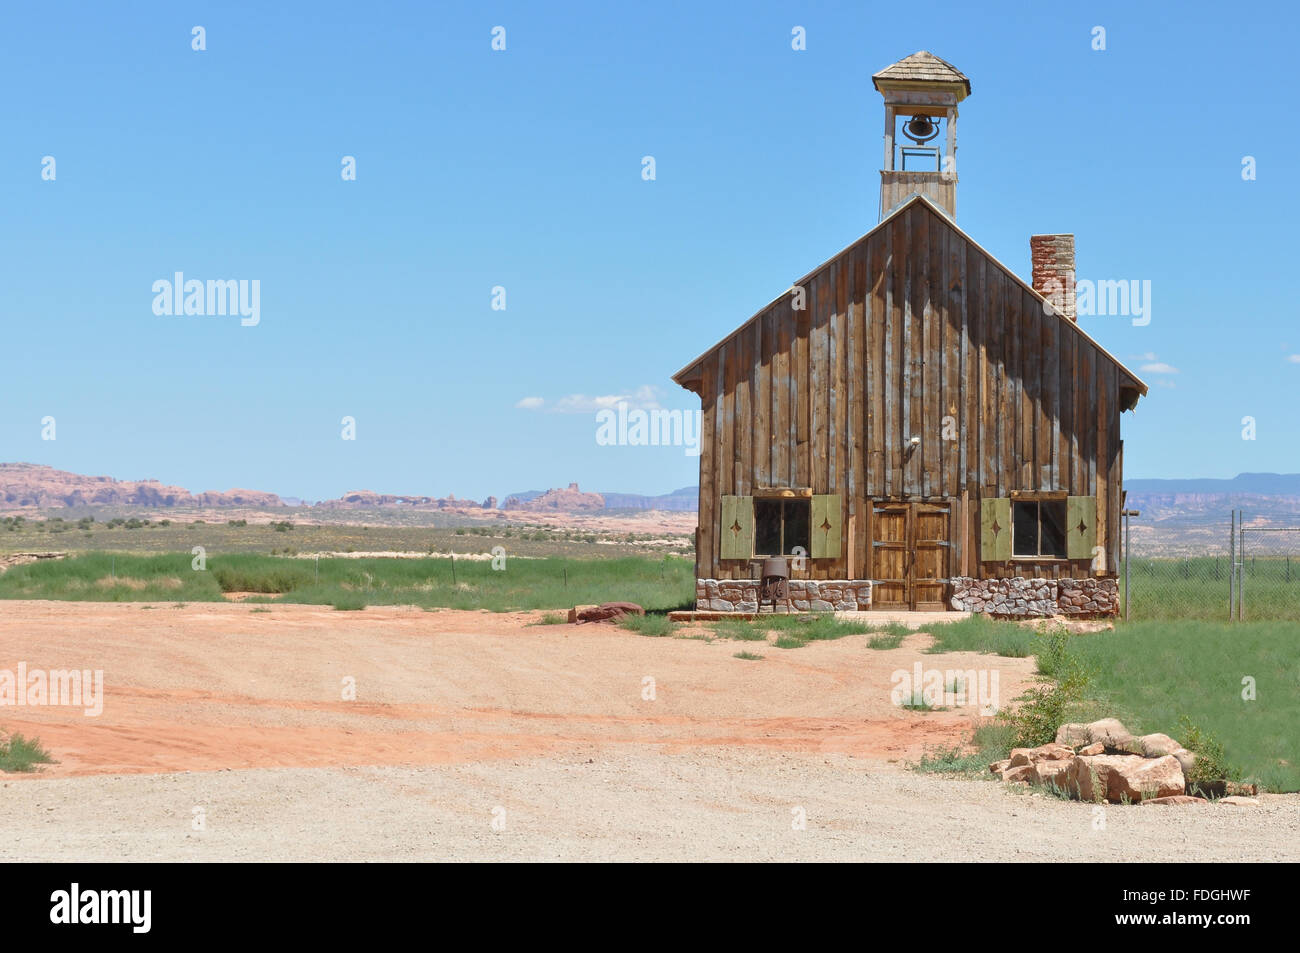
<point>38,486</point>
<point>363,499</point>
<point>570,500</point>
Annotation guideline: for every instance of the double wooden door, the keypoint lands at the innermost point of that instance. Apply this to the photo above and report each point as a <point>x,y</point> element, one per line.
<point>910,554</point>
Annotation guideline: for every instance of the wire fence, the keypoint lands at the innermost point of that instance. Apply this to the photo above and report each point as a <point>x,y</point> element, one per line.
<point>1216,567</point>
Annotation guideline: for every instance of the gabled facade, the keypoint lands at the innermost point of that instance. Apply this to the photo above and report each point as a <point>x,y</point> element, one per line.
<point>919,427</point>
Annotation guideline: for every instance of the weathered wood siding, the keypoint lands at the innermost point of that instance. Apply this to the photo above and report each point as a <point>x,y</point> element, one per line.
<point>911,325</point>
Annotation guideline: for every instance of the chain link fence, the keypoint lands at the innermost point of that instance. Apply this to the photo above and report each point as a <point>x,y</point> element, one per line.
<point>1214,567</point>
<point>1268,578</point>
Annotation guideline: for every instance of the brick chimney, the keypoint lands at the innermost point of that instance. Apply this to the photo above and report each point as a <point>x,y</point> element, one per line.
<point>1053,268</point>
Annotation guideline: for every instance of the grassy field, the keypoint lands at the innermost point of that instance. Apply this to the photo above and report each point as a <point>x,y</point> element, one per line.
<point>663,583</point>
<point>1197,588</point>
<point>1153,675</point>
<point>285,536</point>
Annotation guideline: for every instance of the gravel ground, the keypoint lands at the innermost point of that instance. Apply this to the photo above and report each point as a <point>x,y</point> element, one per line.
<point>629,805</point>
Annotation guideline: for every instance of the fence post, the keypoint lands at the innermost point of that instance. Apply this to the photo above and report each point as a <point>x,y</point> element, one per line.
<point>1128,583</point>
<point>1232,565</point>
<point>1241,558</point>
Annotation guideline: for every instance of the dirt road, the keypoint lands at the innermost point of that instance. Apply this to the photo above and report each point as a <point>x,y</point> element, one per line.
<point>393,733</point>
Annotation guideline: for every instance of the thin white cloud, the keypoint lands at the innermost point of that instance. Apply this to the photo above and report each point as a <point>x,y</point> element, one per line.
<point>643,398</point>
<point>1294,358</point>
<point>1159,368</point>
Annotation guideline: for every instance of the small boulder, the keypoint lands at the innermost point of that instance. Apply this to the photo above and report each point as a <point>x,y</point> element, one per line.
<point>1073,735</point>
<point>576,611</point>
<point>997,767</point>
<point>1108,731</point>
<point>1054,772</point>
<point>608,611</point>
<point>1237,800</point>
<point>1157,745</point>
<point>1097,748</point>
<point>1023,773</point>
<point>1116,777</point>
<point>1176,799</point>
<point>1021,756</point>
<point>1052,752</point>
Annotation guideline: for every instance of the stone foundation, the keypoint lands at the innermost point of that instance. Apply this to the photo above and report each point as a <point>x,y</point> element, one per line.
<point>1029,598</point>
<point>806,595</point>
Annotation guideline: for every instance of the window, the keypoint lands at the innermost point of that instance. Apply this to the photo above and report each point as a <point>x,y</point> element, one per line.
<point>780,525</point>
<point>1038,529</point>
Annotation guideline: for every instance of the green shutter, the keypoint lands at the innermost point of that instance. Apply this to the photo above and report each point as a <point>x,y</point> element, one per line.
<point>737,528</point>
<point>995,530</point>
<point>1080,526</point>
<point>826,526</point>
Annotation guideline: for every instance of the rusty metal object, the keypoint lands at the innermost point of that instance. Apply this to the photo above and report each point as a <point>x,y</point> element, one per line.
<point>774,583</point>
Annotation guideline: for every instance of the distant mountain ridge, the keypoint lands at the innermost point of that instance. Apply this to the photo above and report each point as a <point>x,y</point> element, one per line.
<point>39,486</point>
<point>1272,496</point>
<point>1253,484</point>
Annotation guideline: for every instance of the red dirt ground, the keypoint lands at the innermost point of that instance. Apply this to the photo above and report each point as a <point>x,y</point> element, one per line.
<point>207,687</point>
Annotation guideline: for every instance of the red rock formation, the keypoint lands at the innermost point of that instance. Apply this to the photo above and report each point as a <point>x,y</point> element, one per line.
<point>571,500</point>
<point>37,486</point>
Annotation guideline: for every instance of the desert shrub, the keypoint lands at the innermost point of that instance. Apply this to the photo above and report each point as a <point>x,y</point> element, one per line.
<point>1211,768</point>
<point>22,754</point>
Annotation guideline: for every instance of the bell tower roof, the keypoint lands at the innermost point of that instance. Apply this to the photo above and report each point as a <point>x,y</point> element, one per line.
<point>921,94</point>
<point>921,69</point>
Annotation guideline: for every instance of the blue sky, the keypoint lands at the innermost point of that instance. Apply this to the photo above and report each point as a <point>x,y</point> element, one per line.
<point>522,169</point>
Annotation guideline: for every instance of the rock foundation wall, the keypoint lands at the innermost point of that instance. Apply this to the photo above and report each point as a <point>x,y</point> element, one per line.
<point>806,595</point>
<point>1022,597</point>
<point>1017,597</point>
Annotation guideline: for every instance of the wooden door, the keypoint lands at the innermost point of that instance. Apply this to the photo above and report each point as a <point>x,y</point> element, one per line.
<point>909,550</point>
<point>890,555</point>
<point>930,546</point>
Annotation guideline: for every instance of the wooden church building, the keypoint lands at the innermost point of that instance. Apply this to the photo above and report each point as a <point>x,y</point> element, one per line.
<point>912,424</point>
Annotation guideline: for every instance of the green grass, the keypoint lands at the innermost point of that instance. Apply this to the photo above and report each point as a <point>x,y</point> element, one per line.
<point>656,583</point>
<point>890,636</point>
<point>651,624</point>
<point>1197,588</point>
<point>796,631</point>
<point>918,703</point>
<point>1183,679</point>
<point>992,741</point>
<point>1151,675</point>
<point>982,634</point>
<point>99,528</point>
<point>19,754</point>
<point>552,618</point>
<point>748,656</point>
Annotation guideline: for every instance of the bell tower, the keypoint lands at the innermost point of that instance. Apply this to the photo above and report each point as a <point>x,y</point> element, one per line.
<point>921,95</point>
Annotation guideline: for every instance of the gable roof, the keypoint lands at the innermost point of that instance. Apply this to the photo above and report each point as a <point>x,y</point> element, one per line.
<point>684,375</point>
<point>922,67</point>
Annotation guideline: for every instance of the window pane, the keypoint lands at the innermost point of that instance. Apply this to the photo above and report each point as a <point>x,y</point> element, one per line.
<point>1052,519</point>
<point>767,527</point>
<point>798,514</point>
<point>1024,528</point>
